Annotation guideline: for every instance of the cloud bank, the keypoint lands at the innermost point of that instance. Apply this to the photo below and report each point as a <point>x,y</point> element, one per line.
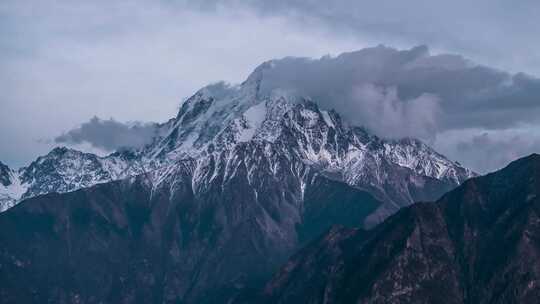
<point>110,135</point>
<point>410,92</point>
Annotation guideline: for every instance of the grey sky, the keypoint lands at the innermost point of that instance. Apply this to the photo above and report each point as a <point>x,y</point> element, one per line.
<point>63,62</point>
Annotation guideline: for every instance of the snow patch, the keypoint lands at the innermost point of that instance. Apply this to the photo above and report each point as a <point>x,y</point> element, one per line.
<point>309,115</point>
<point>10,195</point>
<point>254,117</point>
<point>328,119</point>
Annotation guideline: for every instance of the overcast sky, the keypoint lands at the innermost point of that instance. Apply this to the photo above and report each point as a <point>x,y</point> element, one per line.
<point>64,62</point>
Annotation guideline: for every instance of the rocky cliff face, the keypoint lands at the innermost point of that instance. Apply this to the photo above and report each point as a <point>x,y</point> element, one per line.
<point>478,244</point>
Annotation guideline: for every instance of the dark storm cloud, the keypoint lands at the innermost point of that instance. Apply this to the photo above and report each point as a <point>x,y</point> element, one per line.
<point>110,134</point>
<point>410,92</point>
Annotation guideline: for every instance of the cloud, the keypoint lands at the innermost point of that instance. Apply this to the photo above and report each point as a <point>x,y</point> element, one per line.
<point>411,92</point>
<point>110,135</point>
<point>381,110</point>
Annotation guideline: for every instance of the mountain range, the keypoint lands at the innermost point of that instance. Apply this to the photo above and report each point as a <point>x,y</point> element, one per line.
<point>226,192</point>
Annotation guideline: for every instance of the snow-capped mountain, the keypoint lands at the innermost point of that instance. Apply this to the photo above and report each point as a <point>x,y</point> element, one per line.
<point>63,170</point>
<point>219,119</point>
<point>239,180</point>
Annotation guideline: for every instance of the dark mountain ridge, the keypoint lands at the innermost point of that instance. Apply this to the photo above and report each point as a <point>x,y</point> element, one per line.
<point>480,243</point>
